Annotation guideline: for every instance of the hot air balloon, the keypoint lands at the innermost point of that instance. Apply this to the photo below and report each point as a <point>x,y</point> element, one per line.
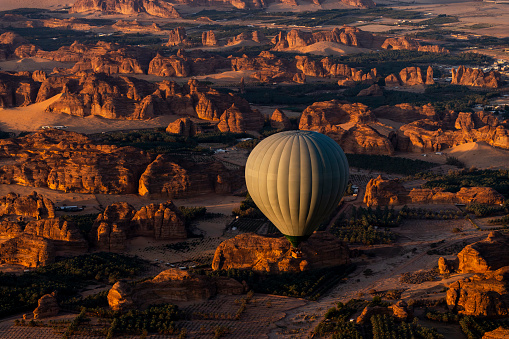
<point>297,178</point>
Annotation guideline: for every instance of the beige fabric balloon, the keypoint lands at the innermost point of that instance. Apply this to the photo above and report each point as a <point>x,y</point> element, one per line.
<point>297,178</point>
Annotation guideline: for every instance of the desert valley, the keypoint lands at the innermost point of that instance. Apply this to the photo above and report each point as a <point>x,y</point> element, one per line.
<point>125,132</point>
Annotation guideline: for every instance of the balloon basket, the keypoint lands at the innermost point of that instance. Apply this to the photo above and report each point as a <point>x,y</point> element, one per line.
<point>296,253</point>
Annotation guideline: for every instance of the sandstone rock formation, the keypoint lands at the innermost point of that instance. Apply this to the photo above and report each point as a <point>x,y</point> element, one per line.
<point>279,120</point>
<point>398,310</point>
<point>47,307</point>
<point>17,90</point>
<point>33,205</point>
<point>121,221</point>
<point>170,286</point>
<point>484,256</point>
<point>485,295</point>
<point>27,250</point>
<point>9,42</point>
<point>410,76</point>
<point>157,8</point>
<point>348,125</point>
<point>372,91</point>
<point>255,36</point>
<point>184,126</point>
<point>499,333</point>
<point>346,35</point>
<point>69,161</point>
<point>381,192</point>
<point>405,113</point>
<point>235,121</point>
<point>64,235</point>
<point>10,229</point>
<point>475,77</point>
<point>178,36</point>
<point>360,3</point>
<point>178,177</point>
<point>208,38</point>
<point>411,44</point>
<point>273,255</point>
<point>428,135</point>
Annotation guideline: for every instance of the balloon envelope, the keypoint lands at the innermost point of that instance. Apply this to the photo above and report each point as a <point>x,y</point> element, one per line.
<point>297,178</point>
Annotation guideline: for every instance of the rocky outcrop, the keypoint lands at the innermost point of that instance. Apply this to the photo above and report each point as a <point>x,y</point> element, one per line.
<point>120,221</point>
<point>255,36</point>
<point>433,134</point>
<point>405,113</point>
<point>178,177</point>
<point>371,91</point>
<point>274,255</point>
<point>235,121</point>
<point>172,66</point>
<point>348,125</point>
<point>10,229</point>
<point>184,126</point>
<point>178,37</point>
<point>398,310</point>
<point>412,45</point>
<point>279,120</point>
<point>17,90</point>
<point>484,295</point>
<point>160,221</point>
<point>208,38</point>
<point>33,205</point>
<point>27,250</point>
<point>475,77</point>
<point>499,333</point>
<point>47,307</point>
<point>157,8</point>
<point>346,35</point>
<point>484,256</point>
<point>170,286</point>
<point>122,97</point>
<point>381,192</point>
<point>70,162</point>
<point>65,235</point>
<point>9,42</point>
<point>359,3</point>
<point>410,76</point>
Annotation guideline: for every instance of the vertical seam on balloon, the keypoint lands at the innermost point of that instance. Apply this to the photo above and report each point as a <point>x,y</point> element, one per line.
<point>320,193</point>
<point>305,201</point>
<point>289,143</point>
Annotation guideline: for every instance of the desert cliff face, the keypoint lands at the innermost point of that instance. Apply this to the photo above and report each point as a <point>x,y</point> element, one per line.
<point>27,250</point>
<point>411,76</point>
<point>475,77</point>
<point>273,255</point>
<point>170,286</point>
<point>348,125</point>
<point>381,192</point>
<point>120,221</point>
<point>157,8</point>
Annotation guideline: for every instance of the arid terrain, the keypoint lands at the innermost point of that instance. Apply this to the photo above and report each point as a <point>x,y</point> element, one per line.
<point>126,125</point>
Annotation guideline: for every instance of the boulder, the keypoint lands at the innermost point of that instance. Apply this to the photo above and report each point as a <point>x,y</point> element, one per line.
<point>170,286</point>
<point>273,255</point>
<point>47,307</point>
<point>235,121</point>
<point>380,192</point>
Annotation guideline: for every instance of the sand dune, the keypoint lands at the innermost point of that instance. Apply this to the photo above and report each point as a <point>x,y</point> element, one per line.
<point>480,155</point>
<point>32,117</point>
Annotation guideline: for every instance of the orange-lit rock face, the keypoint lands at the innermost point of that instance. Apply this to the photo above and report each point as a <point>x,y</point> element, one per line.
<point>157,8</point>
<point>475,77</point>
<point>381,192</point>
<point>120,221</point>
<point>273,255</point>
<point>170,286</point>
<point>27,250</point>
